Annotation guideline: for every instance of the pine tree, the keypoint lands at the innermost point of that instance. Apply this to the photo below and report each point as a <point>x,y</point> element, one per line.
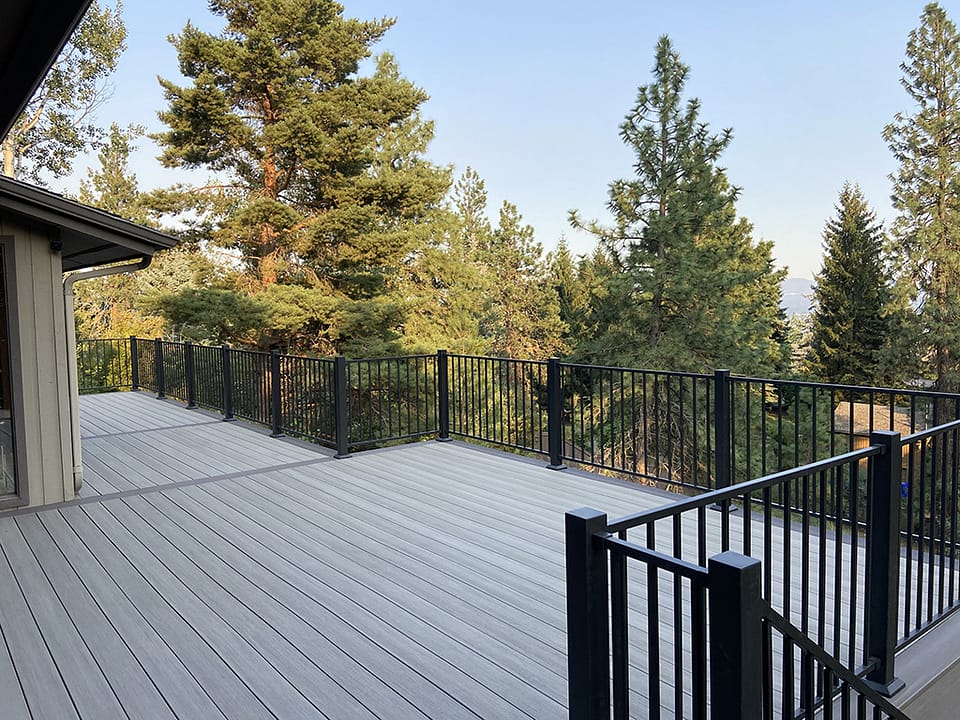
<point>325,186</point>
<point>523,320</point>
<point>848,323</point>
<point>56,124</point>
<point>688,288</point>
<point>926,191</point>
<point>113,186</point>
<point>127,303</point>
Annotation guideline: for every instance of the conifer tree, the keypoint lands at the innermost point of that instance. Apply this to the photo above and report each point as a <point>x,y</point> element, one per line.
<point>523,320</point>
<point>689,289</point>
<point>122,305</point>
<point>925,248</point>
<point>326,188</point>
<point>848,323</point>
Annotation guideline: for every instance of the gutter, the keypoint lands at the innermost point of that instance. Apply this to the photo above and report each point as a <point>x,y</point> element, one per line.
<point>73,389</point>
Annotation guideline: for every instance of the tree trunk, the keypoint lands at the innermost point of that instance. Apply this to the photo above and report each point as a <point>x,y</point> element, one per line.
<point>9,167</point>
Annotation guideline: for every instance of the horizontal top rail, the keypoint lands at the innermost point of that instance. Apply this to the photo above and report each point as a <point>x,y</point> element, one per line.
<point>852,388</point>
<point>388,358</point>
<point>931,432</point>
<point>734,491</point>
<point>617,368</point>
<point>659,560</point>
<point>491,358</point>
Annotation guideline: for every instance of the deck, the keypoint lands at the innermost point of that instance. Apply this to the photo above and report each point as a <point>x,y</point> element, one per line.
<point>210,571</point>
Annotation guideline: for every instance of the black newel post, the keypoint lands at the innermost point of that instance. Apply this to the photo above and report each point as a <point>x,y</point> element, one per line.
<point>883,562</point>
<point>443,397</point>
<point>340,406</point>
<point>588,623</point>
<point>134,364</point>
<point>555,415</point>
<point>190,369</point>
<point>226,378</point>
<point>158,368</point>
<point>276,410</point>
<point>721,426</point>
<point>736,660</point>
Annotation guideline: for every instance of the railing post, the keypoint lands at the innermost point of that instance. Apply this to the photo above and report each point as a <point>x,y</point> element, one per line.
<point>588,624</point>
<point>555,415</point>
<point>276,407</point>
<point>721,427</point>
<point>189,370</point>
<point>883,563</point>
<point>158,368</point>
<point>226,379</point>
<point>443,397</point>
<point>736,660</point>
<point>134,364</point>
<point>340,406</point>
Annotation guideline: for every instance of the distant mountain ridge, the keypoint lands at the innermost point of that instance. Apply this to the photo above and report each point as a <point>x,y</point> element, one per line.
<point>797,296</point>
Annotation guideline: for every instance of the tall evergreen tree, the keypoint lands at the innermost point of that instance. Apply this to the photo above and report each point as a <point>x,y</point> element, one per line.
<point>523,319</point>
<point>690,288</point>
<point>123,305</point>
<point>926,191</point>
<point>848,324</point>
<point>322,167</point>
<point>56,124</point>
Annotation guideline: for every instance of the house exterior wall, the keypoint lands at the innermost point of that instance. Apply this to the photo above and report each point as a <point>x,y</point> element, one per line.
<point>39,360</point>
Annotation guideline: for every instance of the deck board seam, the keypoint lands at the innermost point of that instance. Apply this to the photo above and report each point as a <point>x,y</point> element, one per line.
<point>91,499</point>
<point>142,431</point>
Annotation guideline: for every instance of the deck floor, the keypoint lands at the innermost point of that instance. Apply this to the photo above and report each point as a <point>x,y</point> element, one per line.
<point>209,571</point>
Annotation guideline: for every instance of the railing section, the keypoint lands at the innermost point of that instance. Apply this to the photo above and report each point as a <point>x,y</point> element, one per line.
<point>499,401</point>
<point>104,365</point>
<point>654,425</point>
<point>827,542</point>
<point>929,463</point>
<point>391,399</point>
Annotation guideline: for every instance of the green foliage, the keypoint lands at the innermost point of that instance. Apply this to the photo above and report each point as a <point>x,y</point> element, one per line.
<point>477,289</point>
<point>683,286</point>
<point>324,184</point>
<point>113,187</point>
<point>848,324</point>
<point>523,319</point>
<point>925,248</point>
<point>123,305</point>
<point>56,124</point>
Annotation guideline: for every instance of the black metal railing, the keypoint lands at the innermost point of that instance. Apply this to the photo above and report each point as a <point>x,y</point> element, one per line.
<point>655,425</point>
<point>687,430</point>
<point>499,401</point>
<point>828,546</point>
<point>776,424</point>
<point>930,461</point>
<point>104,365</point>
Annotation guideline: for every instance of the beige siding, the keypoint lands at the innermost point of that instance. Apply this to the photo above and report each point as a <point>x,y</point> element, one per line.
<point>45,466</point>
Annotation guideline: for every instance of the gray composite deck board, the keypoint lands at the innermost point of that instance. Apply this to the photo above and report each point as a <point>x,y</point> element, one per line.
<point>210,571</point>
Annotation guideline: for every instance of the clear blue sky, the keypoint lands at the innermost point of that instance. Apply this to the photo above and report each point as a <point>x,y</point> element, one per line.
<point>530,94</point>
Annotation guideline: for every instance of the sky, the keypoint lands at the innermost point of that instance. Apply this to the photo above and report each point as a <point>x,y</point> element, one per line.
<point>531,93</point>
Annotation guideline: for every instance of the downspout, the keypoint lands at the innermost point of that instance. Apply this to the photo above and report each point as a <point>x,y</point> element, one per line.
<point>73,389</point>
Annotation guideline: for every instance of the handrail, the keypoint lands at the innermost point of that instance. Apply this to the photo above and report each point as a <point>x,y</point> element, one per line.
<point>716,497</point>
<point>852,388</point>
<point>656,559</point>
<point>853,679</point>
<point>931,432</point>
<point>619,368</point>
